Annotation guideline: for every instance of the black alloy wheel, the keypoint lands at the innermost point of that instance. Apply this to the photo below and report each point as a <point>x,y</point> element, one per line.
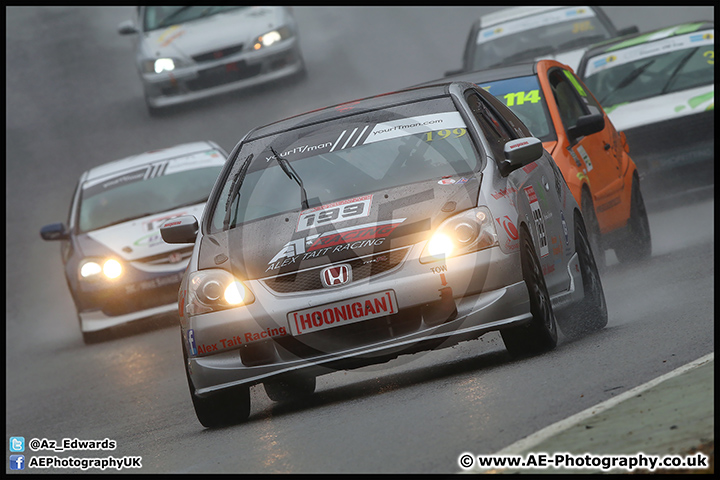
<point>593,229</point>
<point>591,313</point>
<point>637,244</point>
<point>541,333</point>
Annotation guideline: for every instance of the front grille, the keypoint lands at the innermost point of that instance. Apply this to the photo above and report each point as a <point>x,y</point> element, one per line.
<point>231,72</point>
<point>143,300</point>
<point>362,268</point>
<point>218,54</point>
<point>165,258</point>
<point>672,143</point>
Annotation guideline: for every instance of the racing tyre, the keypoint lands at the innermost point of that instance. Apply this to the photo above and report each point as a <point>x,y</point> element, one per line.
<point>637,244</point>
<point>590,313</point>
<point>541,333</point>
<point>593,229</point>
<point>94,337</point>
<point>302,74</point>
<point>290,388</point>
<point>227,407</point>
<point>152,111</point>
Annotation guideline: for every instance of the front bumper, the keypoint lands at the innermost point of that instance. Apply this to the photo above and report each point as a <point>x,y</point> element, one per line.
<point>675,155</point>
<point>440,304</point>
<point>143,296</point>
<point>214,77</point>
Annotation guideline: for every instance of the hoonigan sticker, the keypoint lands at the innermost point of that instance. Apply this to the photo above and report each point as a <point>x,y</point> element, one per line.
<point>342,313</point>
<point>334,212</point>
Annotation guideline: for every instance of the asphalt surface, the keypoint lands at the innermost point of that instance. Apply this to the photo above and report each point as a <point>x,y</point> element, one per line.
<point>74,101</point>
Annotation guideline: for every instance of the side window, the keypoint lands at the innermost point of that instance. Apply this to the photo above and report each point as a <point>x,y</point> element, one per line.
<point>567,98</point>
<point>586,97</point>
<point>495,131</point>
<point>514,123</point>
<point>470,47</point>
<point>72,204</point>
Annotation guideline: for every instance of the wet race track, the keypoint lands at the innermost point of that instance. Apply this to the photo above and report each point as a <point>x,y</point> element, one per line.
<point>74,101</point>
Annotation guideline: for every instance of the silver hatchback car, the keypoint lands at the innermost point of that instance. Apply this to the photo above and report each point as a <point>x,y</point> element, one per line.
<point>189,53</point>
<point>391,225</point>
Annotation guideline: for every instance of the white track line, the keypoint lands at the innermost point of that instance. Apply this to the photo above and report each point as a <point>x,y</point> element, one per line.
<point>547,432</point>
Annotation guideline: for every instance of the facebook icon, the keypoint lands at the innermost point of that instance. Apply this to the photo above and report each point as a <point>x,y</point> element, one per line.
<point>17,462</point>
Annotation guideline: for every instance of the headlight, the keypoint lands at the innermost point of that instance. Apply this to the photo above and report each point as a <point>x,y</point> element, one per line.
<point>97,268</point>
<point>215,289</point>
<point>466,232</point>
<point>272,37</point>
<point>159,65</point>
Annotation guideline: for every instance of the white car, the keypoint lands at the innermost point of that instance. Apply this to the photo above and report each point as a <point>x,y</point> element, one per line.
<point>659,89</point>
<point>520,34</point>
<point>189,53</point>
<point>117,267</point>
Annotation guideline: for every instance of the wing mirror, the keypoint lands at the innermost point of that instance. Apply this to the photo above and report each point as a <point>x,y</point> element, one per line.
<point>450,73</point>
<point>127,28</point>
<point>181,229</point>
<point>587,125</point>
<point>521,151</point>
<point>628,31</point>
<point>54,231</point>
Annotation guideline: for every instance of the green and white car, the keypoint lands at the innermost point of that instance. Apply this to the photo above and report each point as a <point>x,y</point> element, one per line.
<point>658,88</point>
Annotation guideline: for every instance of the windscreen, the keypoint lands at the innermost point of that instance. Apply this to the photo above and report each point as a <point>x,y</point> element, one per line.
<point>345,158</point>
<point>534,36</point>
<point>651,69</point>
<point>524,97</point>
<point>148,189</point>
<point>161,17</point>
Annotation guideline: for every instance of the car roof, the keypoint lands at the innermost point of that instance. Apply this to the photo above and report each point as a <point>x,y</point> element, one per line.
<point>512,13</point>
<point>488,75</point>
<point>648,37</point>
<point>146,158</point>
<point>341,110</point>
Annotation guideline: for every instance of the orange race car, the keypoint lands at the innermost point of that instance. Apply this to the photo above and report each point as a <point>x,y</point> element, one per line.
<point>560,110</point>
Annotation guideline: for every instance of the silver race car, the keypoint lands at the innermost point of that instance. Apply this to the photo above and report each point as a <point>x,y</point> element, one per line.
<point>520,34</point>
<point>117,267</point>
<point>391,225</point>
<point>189,53</point>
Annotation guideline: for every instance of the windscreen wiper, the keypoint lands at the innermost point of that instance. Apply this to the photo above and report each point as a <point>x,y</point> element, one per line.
<point>529,54</point>
<point>127,219</point>
<point>680,66</point>
<point>235,189</point>
<point>164,22</point>
<point>629,78</point>
<point>582,41</point>
<point>292,174</point>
